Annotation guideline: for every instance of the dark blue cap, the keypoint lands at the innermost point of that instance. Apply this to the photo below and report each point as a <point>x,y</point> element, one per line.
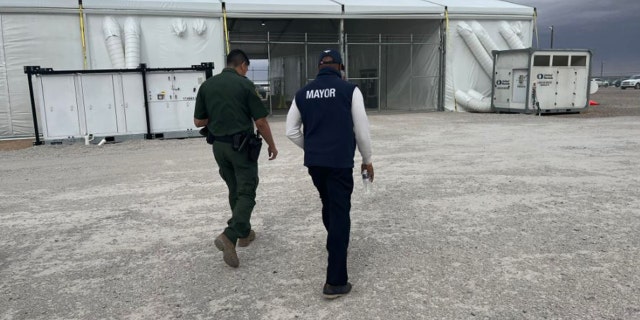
<point>335,56</point>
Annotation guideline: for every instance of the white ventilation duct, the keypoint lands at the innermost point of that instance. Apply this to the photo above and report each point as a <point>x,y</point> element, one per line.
<point>132,43</point>
<point>199,26</point>
<point>518,29</point>
<point>473,101</point>
<point>179,27</point>
<point>113,41</point>
<point>484,37</point>
<point>476,47</point>
<point>510,36</point>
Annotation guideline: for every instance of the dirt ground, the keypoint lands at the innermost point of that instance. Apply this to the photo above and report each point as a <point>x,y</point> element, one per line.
<point>473,216</point>
<point>16,144</point>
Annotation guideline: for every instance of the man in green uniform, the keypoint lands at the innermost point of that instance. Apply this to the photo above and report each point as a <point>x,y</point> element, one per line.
<point>228,105</point>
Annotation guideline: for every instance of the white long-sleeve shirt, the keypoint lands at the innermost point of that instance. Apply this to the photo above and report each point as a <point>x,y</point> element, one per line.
<point>360,126</point>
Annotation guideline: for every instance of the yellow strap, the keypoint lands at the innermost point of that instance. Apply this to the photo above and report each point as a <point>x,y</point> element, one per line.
<point>446,19</point>
<point>535,26</point>
<point>83,37</point>
<point>226,30</point>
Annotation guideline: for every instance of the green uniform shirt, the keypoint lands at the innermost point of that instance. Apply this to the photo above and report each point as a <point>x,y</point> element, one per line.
<point>230,102</point>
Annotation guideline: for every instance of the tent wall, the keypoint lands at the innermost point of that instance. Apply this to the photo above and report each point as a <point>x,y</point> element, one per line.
<point>50,40</point>
<point>160,47</point>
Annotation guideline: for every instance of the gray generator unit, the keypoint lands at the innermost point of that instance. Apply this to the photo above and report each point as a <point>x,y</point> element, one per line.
<point>541,81</point>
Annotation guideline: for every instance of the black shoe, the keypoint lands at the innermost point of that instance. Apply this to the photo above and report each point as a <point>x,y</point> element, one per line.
<point>332,292</point>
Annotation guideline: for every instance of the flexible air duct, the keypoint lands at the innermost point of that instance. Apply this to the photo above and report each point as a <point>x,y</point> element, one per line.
<point>476,95</point>
<point>132,43</point>
<point>179,27</point>
<point>506,31</point>
<point>484,37</point>
<point>470,104</point>
<point>112,38</point>
<point>476,47</point>
<point>199,26</point>
<point>518,29</point>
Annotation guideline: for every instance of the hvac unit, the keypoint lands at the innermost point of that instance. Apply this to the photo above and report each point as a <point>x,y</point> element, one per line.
<point>541,81</point>
<point>115,103</point>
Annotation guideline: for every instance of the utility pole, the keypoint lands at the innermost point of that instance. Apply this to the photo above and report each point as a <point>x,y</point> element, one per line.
<point>551,28</point>
<point>601,68</point>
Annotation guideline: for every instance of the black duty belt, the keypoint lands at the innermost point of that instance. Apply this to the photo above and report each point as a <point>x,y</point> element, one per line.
<point>226,139</point>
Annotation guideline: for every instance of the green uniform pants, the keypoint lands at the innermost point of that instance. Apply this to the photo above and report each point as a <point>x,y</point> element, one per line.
<point>241,176</point>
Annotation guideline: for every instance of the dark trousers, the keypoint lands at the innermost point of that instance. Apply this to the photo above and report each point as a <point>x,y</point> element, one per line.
<point>335,186</point>
<point>241,176</point>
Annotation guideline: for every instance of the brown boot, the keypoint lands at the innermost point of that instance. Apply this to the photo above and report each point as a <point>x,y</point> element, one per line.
<point>244,242</point>
<point>228,249</point>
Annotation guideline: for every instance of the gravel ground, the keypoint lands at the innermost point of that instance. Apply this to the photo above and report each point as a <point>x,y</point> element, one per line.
<point>474,216</point>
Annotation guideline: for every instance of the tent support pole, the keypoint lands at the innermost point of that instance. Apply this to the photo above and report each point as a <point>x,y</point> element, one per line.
<point>342,42</point>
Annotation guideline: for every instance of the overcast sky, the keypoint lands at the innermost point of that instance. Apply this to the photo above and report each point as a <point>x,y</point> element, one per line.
<point>610,28</point>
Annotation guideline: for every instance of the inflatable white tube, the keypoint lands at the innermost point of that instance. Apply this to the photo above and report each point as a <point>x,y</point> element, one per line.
<point>476,95</point>
<point>131,43</point>
<point>471,104</point>
<point>179,27</point>
<point>510,36</point>
<point>476,47</point>
<point>484,37</point>
<point>199,26</point>
<point>111,30</point>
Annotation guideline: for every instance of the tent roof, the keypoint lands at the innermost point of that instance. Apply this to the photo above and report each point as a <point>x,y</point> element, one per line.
<point>39,4</point>
<point>385,7</point>
<point>483,7</point>
<point>288,8</point>
<point>282,7</point>
<point>155,5</point>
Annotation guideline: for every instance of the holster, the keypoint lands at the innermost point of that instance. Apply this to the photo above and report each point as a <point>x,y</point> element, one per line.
<point>205,132</point>
<point>239,141</point>
<point>254,145</point>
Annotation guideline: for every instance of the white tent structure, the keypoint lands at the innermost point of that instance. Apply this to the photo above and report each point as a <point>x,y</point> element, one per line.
<point>404,54</point>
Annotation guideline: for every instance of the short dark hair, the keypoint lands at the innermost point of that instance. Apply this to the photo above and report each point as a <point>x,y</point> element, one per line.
<point>236,57</point>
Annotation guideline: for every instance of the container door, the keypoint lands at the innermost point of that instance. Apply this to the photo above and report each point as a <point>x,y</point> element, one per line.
<point>133,96</point>
<point>184,89</point>
<point>60,106</point>
<point>520,81</point>
<point>99,104</point>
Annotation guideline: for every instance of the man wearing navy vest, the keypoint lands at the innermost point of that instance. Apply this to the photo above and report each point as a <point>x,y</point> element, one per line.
<point>327,119</point>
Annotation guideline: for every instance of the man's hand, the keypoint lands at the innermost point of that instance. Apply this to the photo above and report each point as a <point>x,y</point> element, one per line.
<point>369,168</point>
<point>273,152</point>
<point>200,122</point>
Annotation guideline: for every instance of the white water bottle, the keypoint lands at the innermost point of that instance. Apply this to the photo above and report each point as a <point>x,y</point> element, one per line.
<point>366,182</point>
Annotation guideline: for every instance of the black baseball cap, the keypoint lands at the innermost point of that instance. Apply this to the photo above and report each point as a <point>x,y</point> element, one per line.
<point>335,57</point>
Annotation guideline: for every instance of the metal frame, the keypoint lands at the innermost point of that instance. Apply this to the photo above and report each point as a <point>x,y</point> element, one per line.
<point>344,44</point>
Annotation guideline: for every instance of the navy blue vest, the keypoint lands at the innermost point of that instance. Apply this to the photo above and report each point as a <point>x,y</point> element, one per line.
<point>325,106</point>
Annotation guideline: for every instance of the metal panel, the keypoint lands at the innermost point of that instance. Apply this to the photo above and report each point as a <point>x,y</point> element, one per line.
<point>566,89</point>
<point>519,83</point>
<point>60,106</point>
<point>99,103</point>
<point>172,100</point>
<point>133,103</point>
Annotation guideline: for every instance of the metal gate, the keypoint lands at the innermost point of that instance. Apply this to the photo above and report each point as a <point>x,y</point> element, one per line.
<point>394,72</point>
